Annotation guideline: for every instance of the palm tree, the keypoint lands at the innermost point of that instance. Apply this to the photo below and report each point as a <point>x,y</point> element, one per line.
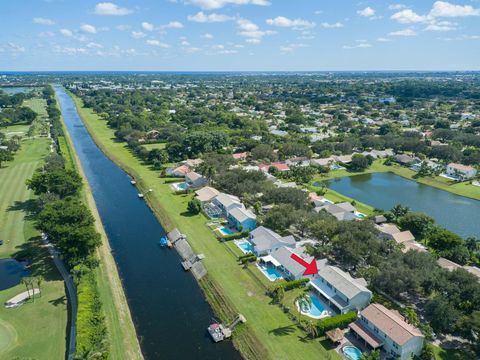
<point>25,282</point>
<point>303,300</point>
<point>31,284</point>
<point>38,281</point>
<point>310,328</point>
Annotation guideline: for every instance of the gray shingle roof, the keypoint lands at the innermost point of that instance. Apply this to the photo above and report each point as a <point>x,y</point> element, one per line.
<point>264,239</point>
<point>342,281</point>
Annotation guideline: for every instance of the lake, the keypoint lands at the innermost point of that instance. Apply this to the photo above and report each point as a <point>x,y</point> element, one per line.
<point>385,190</point>
<point>11,273</point>
<point>169,310</point>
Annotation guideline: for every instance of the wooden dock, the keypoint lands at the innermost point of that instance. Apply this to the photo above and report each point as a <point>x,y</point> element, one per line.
<point>191,261</point>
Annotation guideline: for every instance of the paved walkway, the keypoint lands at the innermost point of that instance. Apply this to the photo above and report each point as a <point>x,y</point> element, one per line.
<point>72,296</point>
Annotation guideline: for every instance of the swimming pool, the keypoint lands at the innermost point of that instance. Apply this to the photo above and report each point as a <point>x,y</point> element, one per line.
<point>352,352</point>
<point>180,186</point>
<point>226,231</point>
<point>270,272</point>
<point>245,246</point>
<point>316,309</point>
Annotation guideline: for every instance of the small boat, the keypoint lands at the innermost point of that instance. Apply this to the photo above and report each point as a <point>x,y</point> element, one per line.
<point>140,196</point>
<point>133,182</point>
<point>164,241</point>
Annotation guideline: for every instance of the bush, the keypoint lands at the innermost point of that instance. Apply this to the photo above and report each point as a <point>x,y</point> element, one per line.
<point>230,237</point>
<point>247,258</point>
<point>194,206</point>
<point>294,284</point>
<point>340,321</point>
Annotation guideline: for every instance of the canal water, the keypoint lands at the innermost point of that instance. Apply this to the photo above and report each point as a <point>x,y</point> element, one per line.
<point>167,305</point>
<point>11,273</point>
<point>385,190</point>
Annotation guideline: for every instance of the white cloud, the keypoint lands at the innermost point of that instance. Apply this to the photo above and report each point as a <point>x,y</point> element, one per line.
<point>192,49</point>
<point>253,41</point>
<point>94,45</point>
<point>123,27</point>
<point>360,44</point>
<point>331,26</point>
<point>297,24</point>
<point>404,32</point>
<point>88,28</point>
<point>14,48</point>
<point>138,34</point>
<point>207,36</point>
<point>291,47</point>
<point>446,9</point>
<point>173,25</point>
<point>157,43</point>
<point>45,34</point>
<point>108,8</point>
<point>43,21</point>
<point>382,39</point>
<point>66,32</point>
<point>201,17</point>
<point>251,30</point>
<point>441,26</point>
<point>185,43</point>
<point>217,4</point>
<point>367,12</point>
<point>147,26</point>
<point>408,16</point>
<point>70,50</point>
<point>396,6</point>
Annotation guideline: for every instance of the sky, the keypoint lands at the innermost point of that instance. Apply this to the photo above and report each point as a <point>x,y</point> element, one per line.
<point>239,35</point>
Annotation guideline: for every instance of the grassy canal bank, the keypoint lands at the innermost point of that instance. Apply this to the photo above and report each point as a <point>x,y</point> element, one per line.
<point>122,336</point>
<point>37,329</point>
<point>463,188</point>
<point>269,332</point>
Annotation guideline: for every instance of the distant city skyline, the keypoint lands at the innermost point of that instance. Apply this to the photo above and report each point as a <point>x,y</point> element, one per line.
<point>239,35</point>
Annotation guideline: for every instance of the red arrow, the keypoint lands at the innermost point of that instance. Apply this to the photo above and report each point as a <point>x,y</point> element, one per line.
<point>310,269</point>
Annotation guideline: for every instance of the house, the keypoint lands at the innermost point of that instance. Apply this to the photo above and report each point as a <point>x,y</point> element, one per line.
<point>448,264</point>
<point>153,134</point>
<point>403,237</point>
<point>278,165</point>
<point>242,219</point>
<point>206,194</point>
<point>195,180</point>
<point>241,156</point>
<point>265,241</point>
<point>343,159</point>
<point>387,330</point>
<point>298,161</point>
<point>226,203</point>
<point>461,172</point>
<point>404,159</point>
<point>413,245</point>
<point>179,171</point>
<point>340,289</point>
<point>324,162</point>
<point>380,219</point>
<point>193,163</point>
<point>342,211</point>
<point>281,259</point>
<point>387,231</point>
<point>473,270</point>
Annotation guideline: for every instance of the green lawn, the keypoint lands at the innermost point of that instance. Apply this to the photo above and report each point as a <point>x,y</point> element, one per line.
<point>442,354</point>
<point>240,287</point>
<point>160,146</point>
<point>34,330</point>
<point>20,129</point>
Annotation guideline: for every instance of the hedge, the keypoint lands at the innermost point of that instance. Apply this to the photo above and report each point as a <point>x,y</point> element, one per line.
<point>289,285</point>
<point>339,321</point>
<point>247,258</point>
<point>239,235</point>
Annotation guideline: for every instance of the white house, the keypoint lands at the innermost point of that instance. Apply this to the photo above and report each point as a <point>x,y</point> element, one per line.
<point>340,289</point>
<point>460,171</point>
<point>265,241</point>
<point>342,211</point>
<point>387,330</point>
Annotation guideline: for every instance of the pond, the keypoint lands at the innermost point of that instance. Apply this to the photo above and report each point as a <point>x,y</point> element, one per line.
<point>168,307</point>
<point>11,273</point>
<point>385,190</point>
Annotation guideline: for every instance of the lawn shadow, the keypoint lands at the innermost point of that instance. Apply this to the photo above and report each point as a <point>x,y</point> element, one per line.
<point>38,258</point>
<point>283,330</point>
<point>187,214</point>
<point>62,300</point>
<point>29,207</point>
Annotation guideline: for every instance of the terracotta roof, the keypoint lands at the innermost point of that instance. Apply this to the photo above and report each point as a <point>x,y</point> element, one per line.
<point>403,236</point>
<point>447,264</point>
<point>240,156</point>
<point>390,323</point>
<point>461,167</point>
<point>182,169</point>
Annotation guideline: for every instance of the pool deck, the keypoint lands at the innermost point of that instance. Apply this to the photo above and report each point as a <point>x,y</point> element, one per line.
<point>351,340</point>
<point>328,311</point>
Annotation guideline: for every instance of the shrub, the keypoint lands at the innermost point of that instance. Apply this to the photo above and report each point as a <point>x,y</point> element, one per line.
<point>294,284</point>
<point>230,237</point>
<point>247,258</point>
<point>339,321</point>
<point>194,206</point>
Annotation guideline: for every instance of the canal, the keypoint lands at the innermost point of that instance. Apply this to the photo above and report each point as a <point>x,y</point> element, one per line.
<point>167,305</point>
<point>385,190</point>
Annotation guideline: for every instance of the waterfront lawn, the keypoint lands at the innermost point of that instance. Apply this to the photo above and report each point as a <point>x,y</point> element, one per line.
<point>242,290</point>
<point>160,146</point>
<point>34,330</point>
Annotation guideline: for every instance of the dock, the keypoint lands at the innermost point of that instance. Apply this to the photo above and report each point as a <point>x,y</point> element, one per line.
<point>191,261</point>
<point>220,332</point>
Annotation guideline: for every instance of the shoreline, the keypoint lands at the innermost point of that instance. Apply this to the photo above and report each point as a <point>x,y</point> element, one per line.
<point>119,323</point>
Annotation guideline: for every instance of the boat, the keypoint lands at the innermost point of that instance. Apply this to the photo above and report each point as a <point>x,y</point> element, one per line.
<point>215,331</point>
<point>163,241</point>
<point>133,182</point>
<point>140,196</point>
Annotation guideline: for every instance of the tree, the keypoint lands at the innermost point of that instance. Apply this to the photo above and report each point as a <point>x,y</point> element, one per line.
<point>419,224</point>
<point>310,328</point>
<point>194,206</point>
<point>360,162</point>
<point>263,152</point>
<point>398,211</point>
<point>449,245</point>
<point>280,218</point>
<point>374,355</point>
<point>5,155</point>
<point>59,181</point>
<point>39,281</point>
<point>323,230</point>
